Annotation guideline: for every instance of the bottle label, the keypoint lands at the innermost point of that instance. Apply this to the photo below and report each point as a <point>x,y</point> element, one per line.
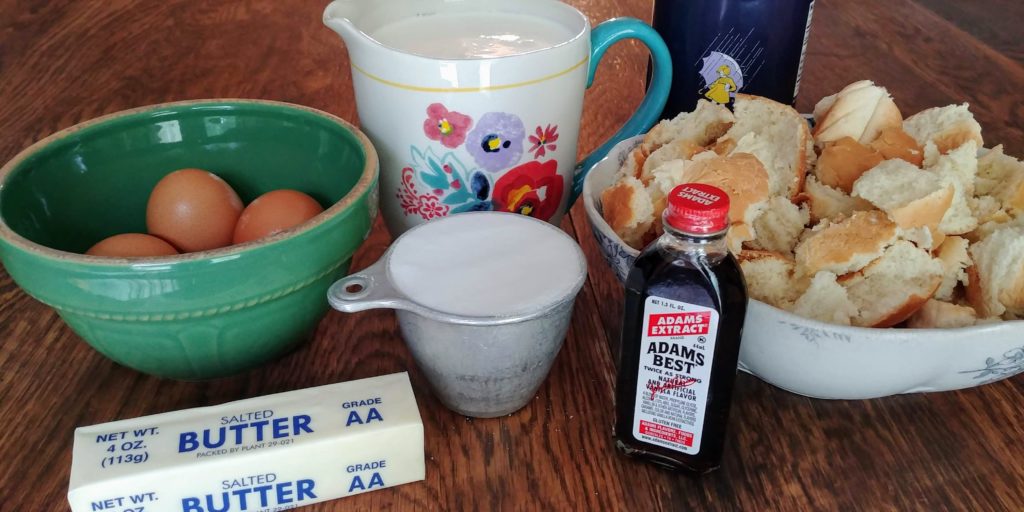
<point>676,348</point>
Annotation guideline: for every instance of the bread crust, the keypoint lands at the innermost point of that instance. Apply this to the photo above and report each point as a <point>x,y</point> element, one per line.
<point>926,212</point>
<point>907,309</point>
<point>675,150</point>
<point>779,296</point>
<point>737,235</point>
<point>886,116</point>
<point>805,162</point>
<point>893,142</point>
<point>906,287</point>
<point>805,143</point>
<point>956,136</point>
<point>741,176</point>
<point>935,314</point>
<point>618,206</point>
<point>1004,177</point>
<point>848,245</point>
<point>947,127</point>
<point>759,254</point>
<point>974,294</point>
<point>1013,197</point>
<point>634,164</point>
<point>826,202</point>
<point>861,110</point>
<point>953,253</point>
<point>1012,293</point>
<point>843,161</point>
<point>704,125</point>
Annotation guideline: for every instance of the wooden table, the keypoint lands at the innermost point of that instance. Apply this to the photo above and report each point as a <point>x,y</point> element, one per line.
<point>62,62</point>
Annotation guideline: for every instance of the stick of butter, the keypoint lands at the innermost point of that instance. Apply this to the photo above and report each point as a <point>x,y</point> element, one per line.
<point>275,452</point>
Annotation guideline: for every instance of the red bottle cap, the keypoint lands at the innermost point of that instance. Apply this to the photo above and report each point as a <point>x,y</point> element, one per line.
<point>698,208</point>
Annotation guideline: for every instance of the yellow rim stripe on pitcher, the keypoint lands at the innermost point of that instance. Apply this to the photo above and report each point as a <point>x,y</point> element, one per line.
<point>470,89</point>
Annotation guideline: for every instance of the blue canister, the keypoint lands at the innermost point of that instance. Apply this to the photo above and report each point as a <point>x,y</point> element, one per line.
<point>721,47</point>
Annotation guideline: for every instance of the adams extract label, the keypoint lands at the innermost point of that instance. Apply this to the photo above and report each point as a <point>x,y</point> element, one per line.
<point>676,349</point>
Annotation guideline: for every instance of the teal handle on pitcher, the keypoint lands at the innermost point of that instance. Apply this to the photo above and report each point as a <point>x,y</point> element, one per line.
<point>601,38</point>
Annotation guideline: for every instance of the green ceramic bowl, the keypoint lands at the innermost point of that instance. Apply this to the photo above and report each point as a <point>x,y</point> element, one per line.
<point>204,314</point>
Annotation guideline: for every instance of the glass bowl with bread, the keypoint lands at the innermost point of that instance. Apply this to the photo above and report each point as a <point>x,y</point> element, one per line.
<point>882,254</point>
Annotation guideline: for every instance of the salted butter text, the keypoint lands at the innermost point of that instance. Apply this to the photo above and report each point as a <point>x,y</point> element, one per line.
<point>251,493</point>
<point>242,433</point>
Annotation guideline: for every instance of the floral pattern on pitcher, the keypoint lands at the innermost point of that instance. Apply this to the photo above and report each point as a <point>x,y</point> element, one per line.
<point>451,187</point>
<point>497,141</point>
<point>435,184</point>
<point>544,140</point>
<point>533,189</point>
<point>447,127</point>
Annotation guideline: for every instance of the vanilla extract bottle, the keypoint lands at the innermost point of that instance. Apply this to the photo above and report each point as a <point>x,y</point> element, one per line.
<point>683,320</point>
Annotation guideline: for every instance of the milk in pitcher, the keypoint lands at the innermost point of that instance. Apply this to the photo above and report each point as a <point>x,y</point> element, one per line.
<point>460,35</point>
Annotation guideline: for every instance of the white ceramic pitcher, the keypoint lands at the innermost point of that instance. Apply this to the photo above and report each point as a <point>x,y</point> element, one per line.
<point>495,133</point>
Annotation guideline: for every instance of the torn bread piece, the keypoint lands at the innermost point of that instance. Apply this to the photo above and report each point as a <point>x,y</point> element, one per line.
<point>633,165</point>
<point>704,125</point>
<point>999,221</point>
<point>843,162</point>
<point>959,168</point>
<point>778,136</point>
<point>847,245</point>
<point>895,143</point>
<point>825,202</point>
<point>745,180</point>
<point>770,278</point>
<point>1001,176</point>
<point>826,300</point>
<point>668,176</point>
<point>947,127</point>
<point>893,287</point>
<point>779,226</point>
<point>955,259</point>
<point>675,150</point>
<point>995,284</point>
<point>942,315</point>
<point>987,209</point>
<point>861,111</point>
<point>925,238</point>
<point>628,210</point>
<point>741,176</point>
<point>911,197</point>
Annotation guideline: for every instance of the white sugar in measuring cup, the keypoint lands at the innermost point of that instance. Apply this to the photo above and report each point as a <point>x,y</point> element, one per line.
<point>483,301</point>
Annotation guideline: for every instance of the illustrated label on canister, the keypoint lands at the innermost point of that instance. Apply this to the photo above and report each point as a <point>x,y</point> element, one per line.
<point>721,48</point>
<point>676,351</point>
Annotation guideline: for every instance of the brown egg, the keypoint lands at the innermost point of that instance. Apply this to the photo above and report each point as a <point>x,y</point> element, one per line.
<point>132,245</point>
<point>274,212</point>
<point>194,210</point>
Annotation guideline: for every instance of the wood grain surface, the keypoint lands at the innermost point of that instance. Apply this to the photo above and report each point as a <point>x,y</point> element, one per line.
<point>63,61</point>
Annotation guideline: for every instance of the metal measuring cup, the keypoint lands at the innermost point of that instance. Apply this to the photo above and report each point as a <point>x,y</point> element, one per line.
<point>484,366</point>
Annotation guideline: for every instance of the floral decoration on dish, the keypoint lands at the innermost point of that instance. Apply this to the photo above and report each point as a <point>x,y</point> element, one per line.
<point>1010,364</point>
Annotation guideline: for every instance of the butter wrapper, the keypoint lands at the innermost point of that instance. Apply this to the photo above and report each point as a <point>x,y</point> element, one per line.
<point>275,452</point>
